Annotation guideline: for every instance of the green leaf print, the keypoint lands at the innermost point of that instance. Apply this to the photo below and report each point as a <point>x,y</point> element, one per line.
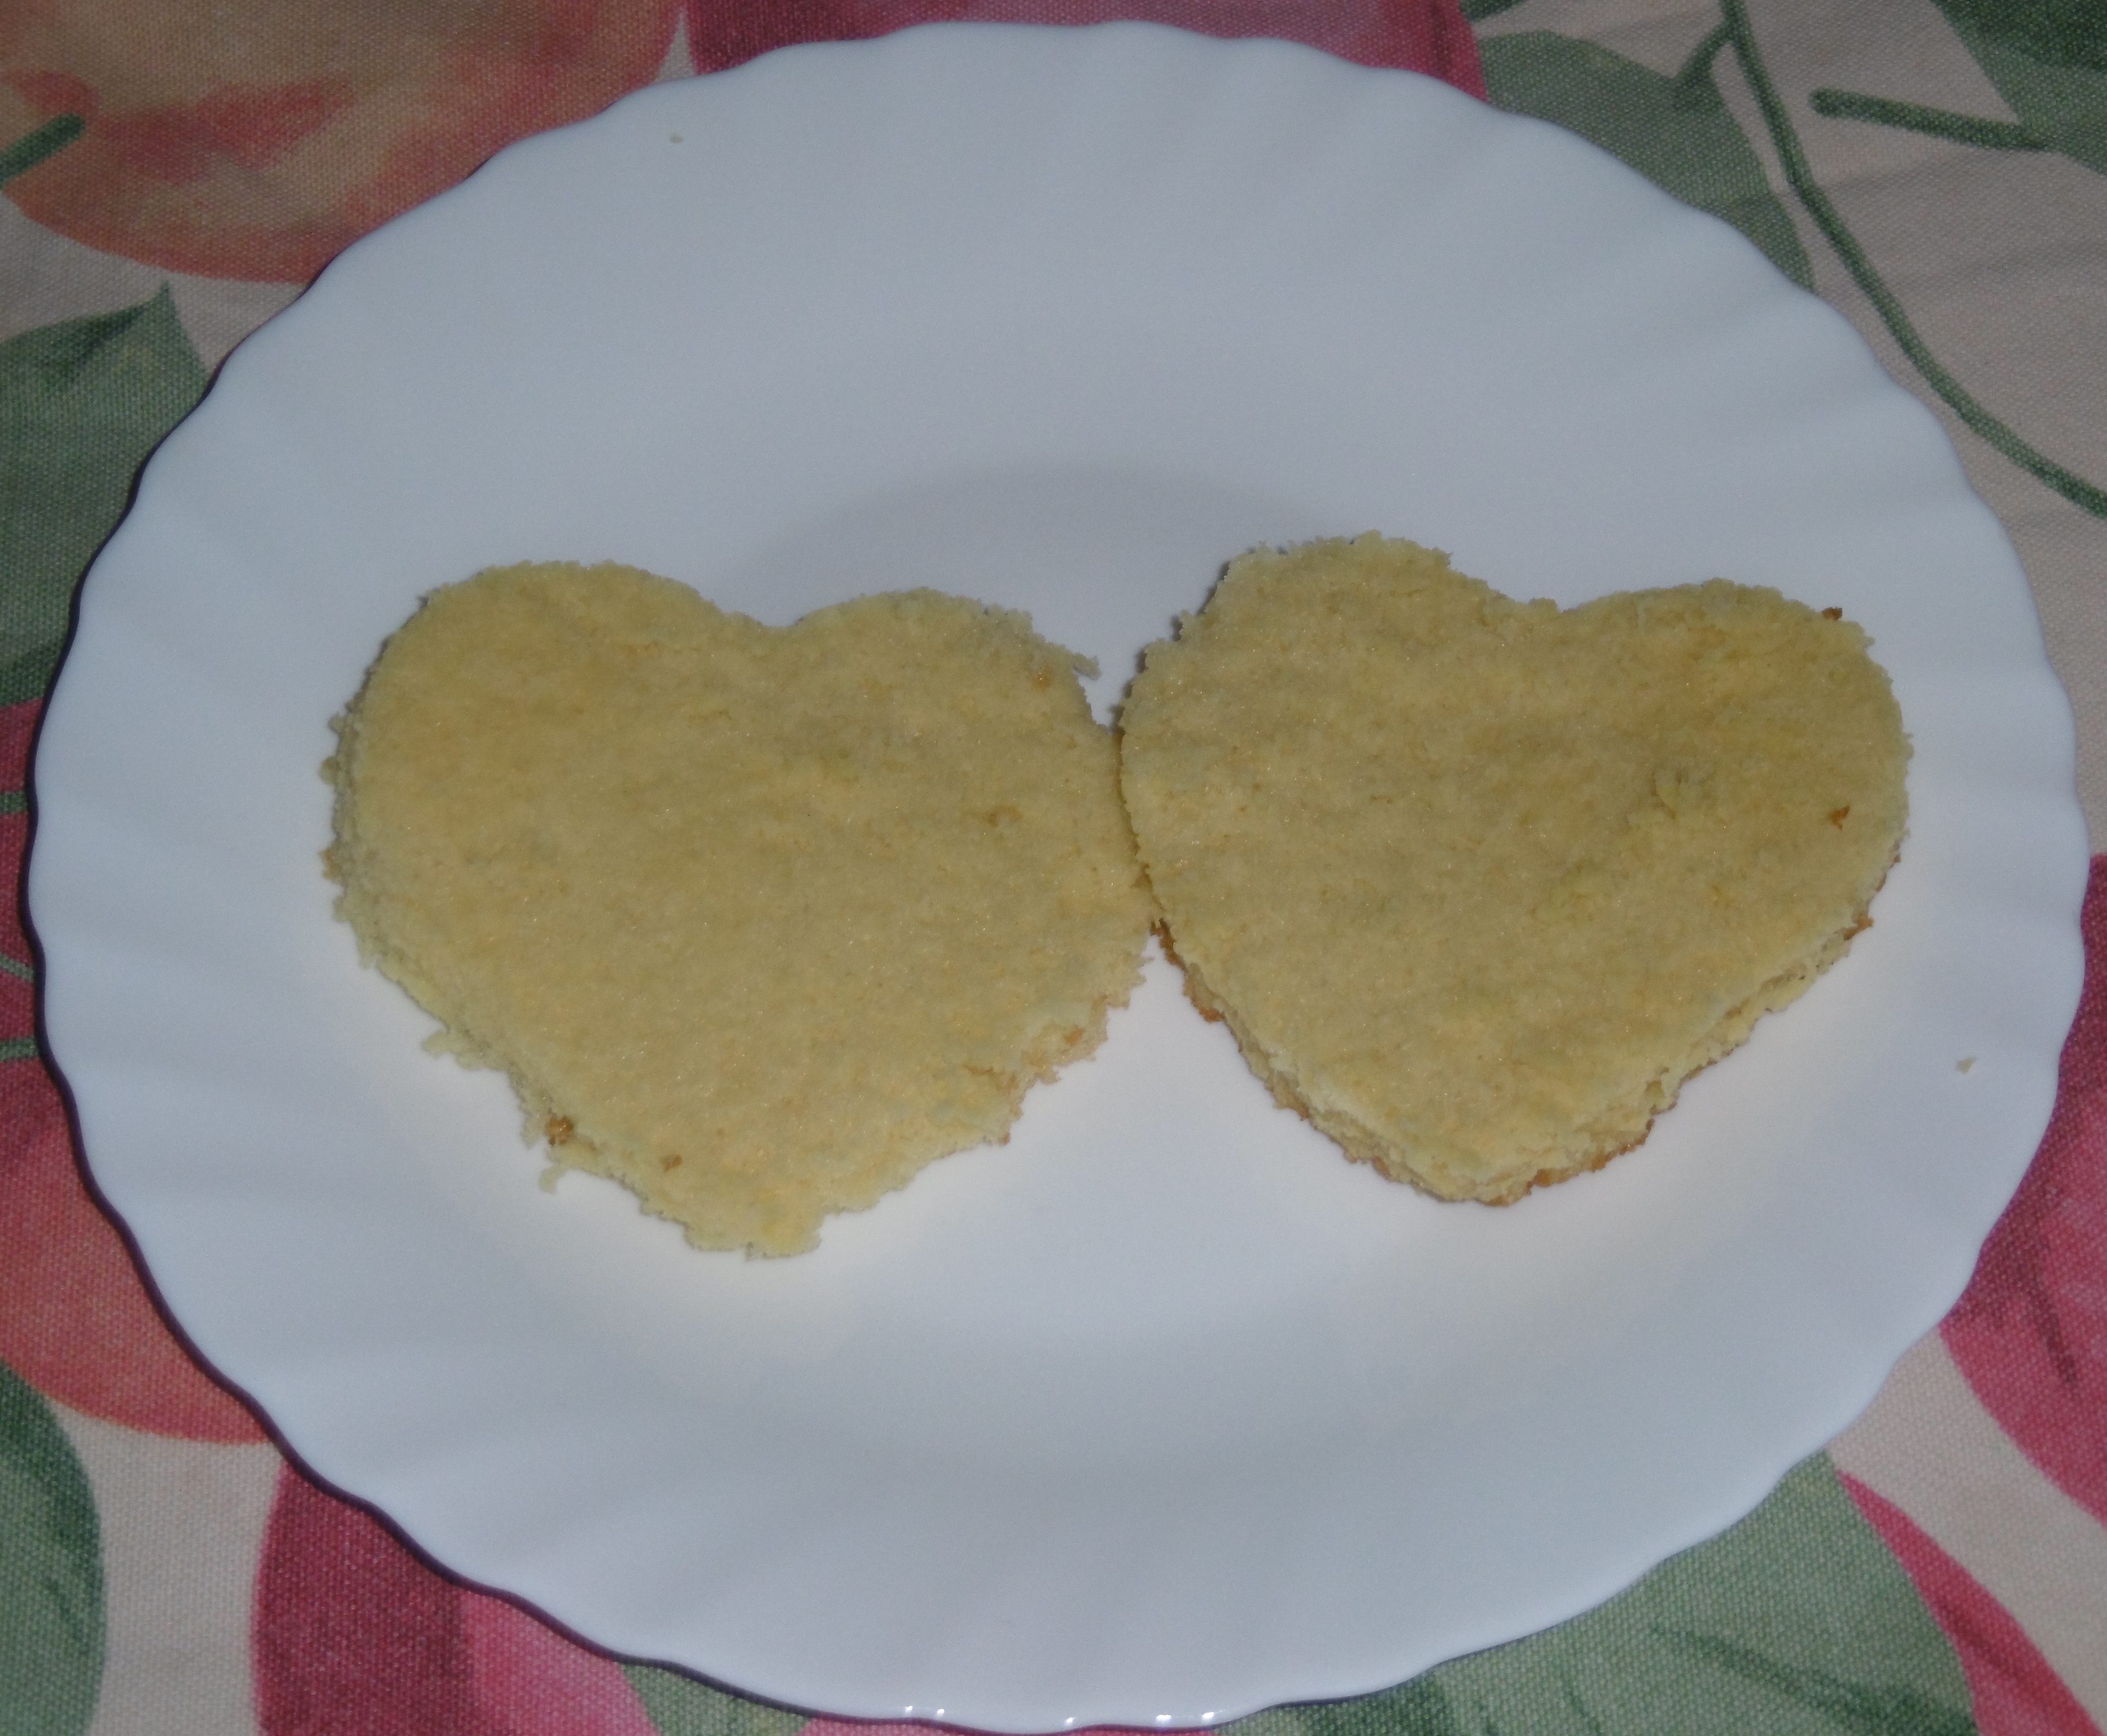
<point>2056,33</point>
<point>1917,117</point>
<point>82,403</point>
<point>680,1706</point>
<point>1418,1708</point>
<point>1807,187</point>
<point>32,148</point>
<point>2048,59</point>
<point>1797,1622</point>
<point>1676,131</point>
<point>51,1573</point>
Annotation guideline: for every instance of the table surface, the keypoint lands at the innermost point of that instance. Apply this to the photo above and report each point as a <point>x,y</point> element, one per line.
<point>176,170</point>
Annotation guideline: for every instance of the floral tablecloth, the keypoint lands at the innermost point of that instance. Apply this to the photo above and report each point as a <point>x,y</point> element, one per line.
<point>175,170</point>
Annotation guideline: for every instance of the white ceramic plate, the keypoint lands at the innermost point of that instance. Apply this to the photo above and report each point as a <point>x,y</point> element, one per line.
<point>1164,1412</point>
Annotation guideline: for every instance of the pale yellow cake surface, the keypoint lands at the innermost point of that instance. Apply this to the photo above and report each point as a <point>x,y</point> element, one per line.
<point>1478,883</point>
<point>759,921</point>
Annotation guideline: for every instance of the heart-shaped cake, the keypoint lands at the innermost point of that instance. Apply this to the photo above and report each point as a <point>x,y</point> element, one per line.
<point>759,921</point>
<point>1478,883</point>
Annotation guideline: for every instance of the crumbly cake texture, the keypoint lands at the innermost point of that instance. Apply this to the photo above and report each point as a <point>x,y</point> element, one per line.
<point>1478,883</point>
<point>759,921</point>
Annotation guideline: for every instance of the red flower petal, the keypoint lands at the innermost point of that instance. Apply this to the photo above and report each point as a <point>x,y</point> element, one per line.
<point>354,1636</point>
<point>1428,36</point>
<point>529,1677</point>
<point>261,151</point>
<point>75,1320</point>
<point>2030,1332</point>
<point>2015,1691</point>
<point>248,126</point>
